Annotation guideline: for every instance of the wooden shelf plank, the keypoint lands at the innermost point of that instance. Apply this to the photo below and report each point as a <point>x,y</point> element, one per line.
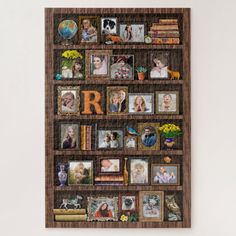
<point>117,152</point>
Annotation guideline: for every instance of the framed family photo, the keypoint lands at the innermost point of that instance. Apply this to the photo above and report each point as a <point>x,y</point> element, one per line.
<point>151,206</point>
<point>102,208</point>
<point>149,138</point>
<point>117,100</point>
<point>165,174</point>
<point>167,102</point>
<point>68,100</point>
<point>132,33</point>
<point>69,136</point>
<point>89,29</point>
<point>141,103</point>
<point>97,64</point>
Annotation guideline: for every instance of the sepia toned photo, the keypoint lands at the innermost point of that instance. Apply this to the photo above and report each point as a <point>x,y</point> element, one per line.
<point>139,171</point>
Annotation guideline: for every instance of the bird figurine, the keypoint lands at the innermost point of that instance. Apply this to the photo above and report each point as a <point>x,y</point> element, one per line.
<point>132,131</point>
<point>58,77</point>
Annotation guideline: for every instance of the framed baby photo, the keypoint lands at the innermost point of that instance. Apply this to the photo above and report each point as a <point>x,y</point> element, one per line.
<point>69,136</point>
<point>141,103</point>
<point>132,33</point>
<point>128,202</point>
<point>80,173</point>
<point>122,67</point>
<point>109,165</point>
<point>68,100</point>
<point>110,139</point>
<point>117,100</point>
<point>97,64</point>
<point>167,102</point>
<point>130,142</point>
<point>149,138</point>
<point>72,64</point>
<point>89,29</point>
<point>109,25</point>
<point>102,208</point>
<point>139,172</point>
<point>159,62</point>
<point>165,174</point>
<point>151,206</point>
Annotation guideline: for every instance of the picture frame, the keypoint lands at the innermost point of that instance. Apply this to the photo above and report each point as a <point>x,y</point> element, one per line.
<point>80,172</point>
<point>128,202</point>
<point>130,142</point>
<point>68,100</point>
<point>132,33</point>
<point>167,102</point>
<point>138,171</point>
<point>117,100</point>
<point>165,176</point>
<point>69,136</point>
<point>109,25</point>
<point>141,103</point>
<point>159,62</point>
<point>109,166</point>
<point>95,205</point>
<point>149,138</point>
<point>89,29</point>
<point>122,67</point>
<point>151,202</point>
<point>97,64</point>
<point>107,140</point>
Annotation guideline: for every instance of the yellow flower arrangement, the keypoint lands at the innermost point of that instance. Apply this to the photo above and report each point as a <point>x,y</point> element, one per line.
<point>124,218</point>
<point>170,130</point>
<point>72,54</point>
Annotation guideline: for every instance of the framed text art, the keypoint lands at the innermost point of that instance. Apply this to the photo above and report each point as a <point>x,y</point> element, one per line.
<point>117,94</point>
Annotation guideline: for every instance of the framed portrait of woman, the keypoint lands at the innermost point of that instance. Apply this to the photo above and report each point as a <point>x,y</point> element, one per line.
<point>89,29</point>
<point>159,62</point>
<point>69,136</point>
<point>132,33</point>
<point>97,64</point>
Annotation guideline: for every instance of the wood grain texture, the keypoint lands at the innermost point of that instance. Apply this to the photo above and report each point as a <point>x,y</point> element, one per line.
<point>184,119</point>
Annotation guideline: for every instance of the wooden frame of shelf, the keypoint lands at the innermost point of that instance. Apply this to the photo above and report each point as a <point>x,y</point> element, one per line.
<point>50,118</point>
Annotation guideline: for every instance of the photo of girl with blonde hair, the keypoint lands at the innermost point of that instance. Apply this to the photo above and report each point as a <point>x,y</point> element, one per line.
<point>69,136</point>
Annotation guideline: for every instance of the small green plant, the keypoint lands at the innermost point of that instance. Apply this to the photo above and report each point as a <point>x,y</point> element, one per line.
<point>141,69</point>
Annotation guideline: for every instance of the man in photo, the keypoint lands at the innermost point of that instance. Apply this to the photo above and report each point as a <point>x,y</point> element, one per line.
<point>149,137</point>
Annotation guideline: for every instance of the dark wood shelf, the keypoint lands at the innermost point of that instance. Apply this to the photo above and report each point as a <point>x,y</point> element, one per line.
<point>120,117</point>
<point>116,46</point>
<point>117,152</point>
<point>119,188</point>
<point>116,82</point>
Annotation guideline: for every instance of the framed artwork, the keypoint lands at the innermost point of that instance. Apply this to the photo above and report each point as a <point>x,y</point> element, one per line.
<point>102,208</point>
<point>132,33</point>
<point>68,100</point>
<point>139,171</point>
<point>110,139</point>
<point>97,64</point>
<point>149,138</point>
<point>130,142</point>
<point>159,65</point>
<point>69,136</point>
<point>151,206</point>
<point>117,100</point>
<point>122,67</point>
<point>89,28</point>
<point>109,165</point>
<point>167,102</point>
<point>128,202</point>
<point>165,174</point>
<point>109,25</point>
<point>80,173</point>
<point>141,103</point>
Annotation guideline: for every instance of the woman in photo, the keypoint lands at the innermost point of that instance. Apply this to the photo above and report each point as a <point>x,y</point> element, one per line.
<point>128,34</point>
<point>114,102</point>
<point>69,140</point>
<point>163,177</point>
<point>140,104</point>
<point>121,69</point>
<point>160,69</point>
<point>68,102</point>
<point>76,70</point>
<point>89,32</point>
<point>81,174</point>
<point>103,211</point>
<point>99,65</point>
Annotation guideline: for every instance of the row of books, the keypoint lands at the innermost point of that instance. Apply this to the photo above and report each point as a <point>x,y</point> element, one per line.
<point>70,214</point>
<point>165,31</point>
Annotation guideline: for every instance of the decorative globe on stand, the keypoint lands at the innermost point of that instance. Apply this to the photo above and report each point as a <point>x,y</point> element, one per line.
<point>67,30</point>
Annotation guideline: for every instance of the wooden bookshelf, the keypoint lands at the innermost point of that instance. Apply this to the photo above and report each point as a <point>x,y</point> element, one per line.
<point>181,155</point>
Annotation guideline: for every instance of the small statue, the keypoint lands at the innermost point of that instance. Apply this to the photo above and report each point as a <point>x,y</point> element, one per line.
<point>62,175</point>
<point>126,173</point>
<point>74,202</point>
<point>174,213</point>
<point>174,74</point>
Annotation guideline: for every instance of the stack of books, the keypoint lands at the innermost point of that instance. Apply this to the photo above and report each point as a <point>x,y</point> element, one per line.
<point>86,137</point>
<point>166,31</point>
<point>109,180</point>
<point>70,214</point>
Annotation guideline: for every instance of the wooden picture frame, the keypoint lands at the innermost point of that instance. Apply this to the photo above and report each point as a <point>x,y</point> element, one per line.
<point>109,172</point>
<point>134,207</point>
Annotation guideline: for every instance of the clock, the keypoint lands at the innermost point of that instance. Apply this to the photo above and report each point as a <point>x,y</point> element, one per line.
<point>147,39</point>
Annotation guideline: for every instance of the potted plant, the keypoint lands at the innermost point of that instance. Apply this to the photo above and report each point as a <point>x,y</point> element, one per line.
<point>170,132</point>
<point>141,72</point>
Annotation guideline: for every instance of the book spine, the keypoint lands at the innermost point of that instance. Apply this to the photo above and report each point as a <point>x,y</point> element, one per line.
<point>164,34</point>
<point>70,217</point>
<point>69,211</point>
<point>165,40</point>
<point>168,21</point>
<point>164,27</point>
<point>88,137</point>
<point>83,137</point>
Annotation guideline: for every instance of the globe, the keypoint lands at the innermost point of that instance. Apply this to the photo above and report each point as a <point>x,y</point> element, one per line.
<point>67,29</point>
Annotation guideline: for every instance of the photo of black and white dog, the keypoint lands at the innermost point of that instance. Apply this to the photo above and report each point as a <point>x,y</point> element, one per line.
<point>108,26</point>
